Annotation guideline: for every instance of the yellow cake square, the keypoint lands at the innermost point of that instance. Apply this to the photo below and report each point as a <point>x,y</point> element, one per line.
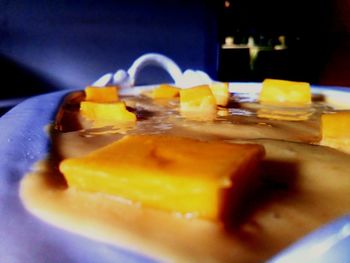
<point>285,93</point>
<point>221,93</point>
<point>335,130</point>
<point>101,94</point>
<point>106,112</point>
<point>174,174</point>
<point>165,91</point>
<point>198,101</point>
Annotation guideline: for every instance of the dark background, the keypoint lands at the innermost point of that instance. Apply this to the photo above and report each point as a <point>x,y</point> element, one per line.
<point>53,45</point>
<point>47,45</point>
<point>317,37</point>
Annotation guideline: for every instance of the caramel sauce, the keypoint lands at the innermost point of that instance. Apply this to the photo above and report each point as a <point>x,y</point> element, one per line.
<point>303,185</point>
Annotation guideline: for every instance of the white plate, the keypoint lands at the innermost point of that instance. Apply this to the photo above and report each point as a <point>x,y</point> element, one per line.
<point>23,140</point>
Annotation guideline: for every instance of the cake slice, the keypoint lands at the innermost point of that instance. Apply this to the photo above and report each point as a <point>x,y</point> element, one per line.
<point>174,174</point>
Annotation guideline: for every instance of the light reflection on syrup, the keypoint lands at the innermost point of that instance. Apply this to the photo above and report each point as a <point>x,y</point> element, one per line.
<point>242,119</point>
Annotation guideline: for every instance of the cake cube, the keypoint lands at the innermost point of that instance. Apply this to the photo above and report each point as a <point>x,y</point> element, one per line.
<point>101,94</point>
<point>221,93</point>
<point>165,91</point>
<point>174,174</point>
<point>335,130</point>
<point>197,101</point>
<point>285,93</point>
<point>106,112</point>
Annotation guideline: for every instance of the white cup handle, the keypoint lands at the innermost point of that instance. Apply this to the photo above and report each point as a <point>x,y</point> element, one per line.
<point>126,79</point>
<point>154,59</point>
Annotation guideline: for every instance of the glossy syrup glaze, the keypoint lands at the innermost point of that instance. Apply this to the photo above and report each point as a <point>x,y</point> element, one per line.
<point>303,185</point>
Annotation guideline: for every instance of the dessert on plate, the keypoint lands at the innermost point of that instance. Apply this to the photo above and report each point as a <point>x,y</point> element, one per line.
<point>202,173</point>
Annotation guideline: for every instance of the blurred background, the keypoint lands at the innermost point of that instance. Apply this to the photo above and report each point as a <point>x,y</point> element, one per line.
<point>297,40</point>
<point>54,45</point>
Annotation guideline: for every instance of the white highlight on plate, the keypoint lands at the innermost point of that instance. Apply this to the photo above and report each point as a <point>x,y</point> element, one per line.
<point>315,250</point>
